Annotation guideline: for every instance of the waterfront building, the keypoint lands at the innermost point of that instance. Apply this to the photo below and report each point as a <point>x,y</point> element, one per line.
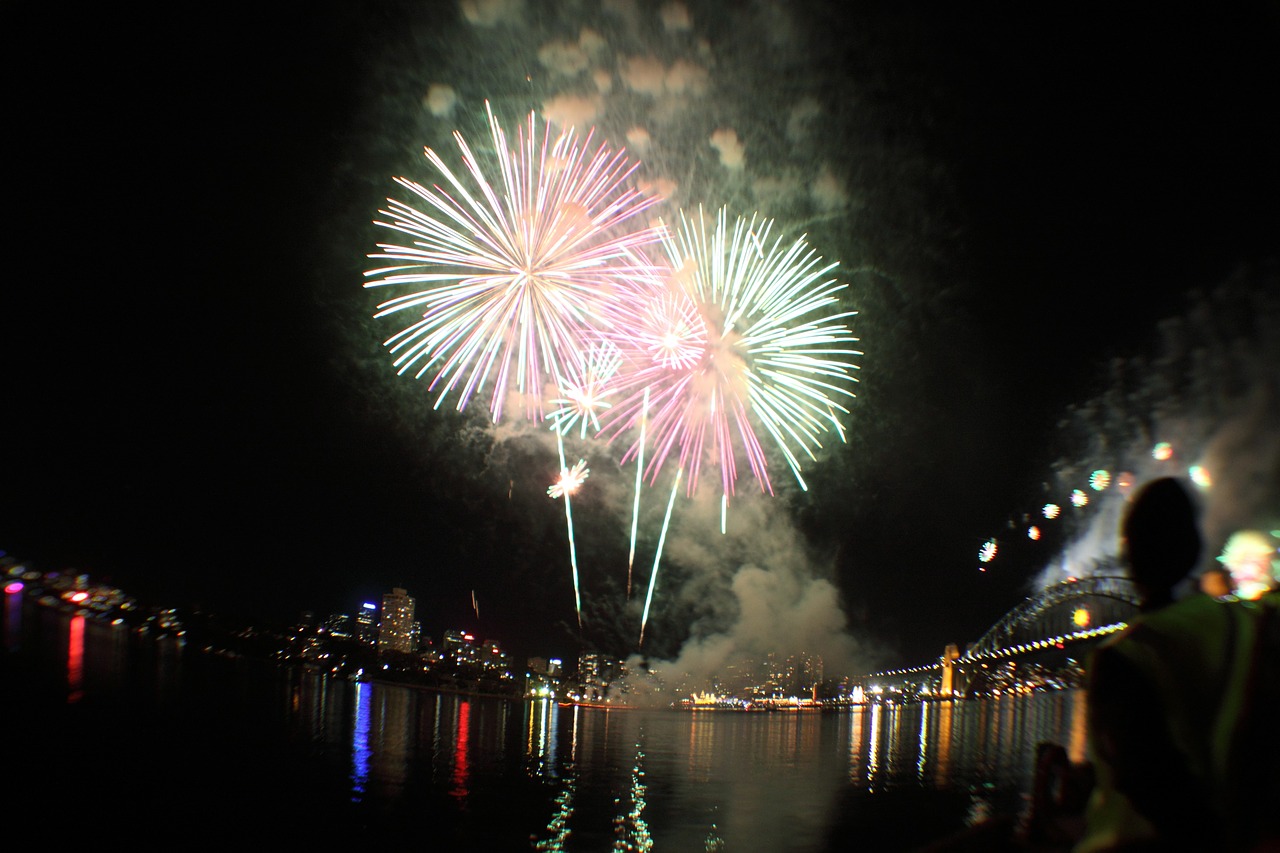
<point>493,659</point>
<point>595,673</point>
<point>367,623</point>
<point>459,648</point>
<point>542,677</point>
<point>397,631</point>
<point>340,626</point>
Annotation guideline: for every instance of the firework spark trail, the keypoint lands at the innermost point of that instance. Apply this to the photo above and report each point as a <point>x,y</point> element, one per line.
<point>635,510</point>
<point>568,483</point>
<point>510,280</point>
<point>657,558</point>
<point>767,349</point>
<point>578,405</point>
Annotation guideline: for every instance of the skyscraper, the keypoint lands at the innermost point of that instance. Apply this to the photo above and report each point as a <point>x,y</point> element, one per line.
<point>397,632</point>
<point>366,623</point>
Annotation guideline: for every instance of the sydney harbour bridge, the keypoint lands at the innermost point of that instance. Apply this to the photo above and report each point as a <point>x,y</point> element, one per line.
<point>1049,631</point>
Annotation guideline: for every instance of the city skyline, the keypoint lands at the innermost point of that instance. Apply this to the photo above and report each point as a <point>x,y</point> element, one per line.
<point>395,649</point>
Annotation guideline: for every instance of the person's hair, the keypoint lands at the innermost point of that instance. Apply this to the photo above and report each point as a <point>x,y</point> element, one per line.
<point>1161,535</point>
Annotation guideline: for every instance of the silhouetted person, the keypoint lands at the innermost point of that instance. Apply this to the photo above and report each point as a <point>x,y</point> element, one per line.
<point>1164,695</point>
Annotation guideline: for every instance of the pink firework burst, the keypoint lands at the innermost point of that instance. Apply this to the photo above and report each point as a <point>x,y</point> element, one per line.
<point>746,348</point>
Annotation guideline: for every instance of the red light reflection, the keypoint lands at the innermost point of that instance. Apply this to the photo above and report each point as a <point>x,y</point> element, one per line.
<point>460,752</point>
<point>75,659</point>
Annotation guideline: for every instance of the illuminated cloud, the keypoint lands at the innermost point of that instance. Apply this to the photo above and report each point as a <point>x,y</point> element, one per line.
<point>488,13</point>
<point>732,154</point>
<point>440,100</point>
<point>828,191</point>
<point>675,17</point>
<point>564,58</point>
<point>644,75</point>
<point>577,111</point>
<point>685,77</point>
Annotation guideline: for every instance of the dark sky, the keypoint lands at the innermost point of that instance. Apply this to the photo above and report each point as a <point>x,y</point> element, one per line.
<point>196,408</point>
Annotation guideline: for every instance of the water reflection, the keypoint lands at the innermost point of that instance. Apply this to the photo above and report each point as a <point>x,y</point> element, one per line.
<point>873,751</point>
<point>1079,717</point>
<point>461,741</point>
<point>631,830</point>
<point>360,751</point>
<point>12,615</point>
<point>540,743</point>
<point>542,716</point>
<point>499,775</point>
<point>922,754</point>
<point>701,745</point>
<point>943,760</point>
<point>856,718</point>
<point>558,826</point>
<point>397,713</point>
<point>75,659</point>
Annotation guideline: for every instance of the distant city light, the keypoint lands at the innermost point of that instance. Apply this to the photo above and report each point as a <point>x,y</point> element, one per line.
<point>1033,532</point>
<point>1079,498</point>
<point>1099,480</point>
<point>1200,476</point>
<point>988,551</point>
<point>1162,451</point>
<point>1080,617</point>
<point>1051,510</point>
<point>369,606</point>
<point>13,588</point>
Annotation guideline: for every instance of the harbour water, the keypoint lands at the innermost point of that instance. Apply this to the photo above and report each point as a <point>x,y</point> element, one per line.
<point>110,732</point>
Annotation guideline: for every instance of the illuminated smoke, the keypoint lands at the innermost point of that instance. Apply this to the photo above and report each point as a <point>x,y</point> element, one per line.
<point>1204,405</point>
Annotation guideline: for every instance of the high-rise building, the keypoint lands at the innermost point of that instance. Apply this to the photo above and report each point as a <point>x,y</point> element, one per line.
<point>397,632</point>
<point>596,672</point>
<point>367,623</point>
<point>459,648</point>
<point>340,626</point>
<point>542,677</point>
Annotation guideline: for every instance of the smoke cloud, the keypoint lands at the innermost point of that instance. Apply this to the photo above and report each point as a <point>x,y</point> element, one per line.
<point>1210,389</point>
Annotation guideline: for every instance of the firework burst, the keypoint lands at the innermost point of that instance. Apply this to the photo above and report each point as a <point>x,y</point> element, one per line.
<point>571,479</point>
<point>512,267</point>
<point>748,342</point>
<point>582,398</point>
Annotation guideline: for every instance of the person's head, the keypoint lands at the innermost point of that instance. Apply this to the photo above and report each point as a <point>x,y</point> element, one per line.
<point>1216,581</point>
<point>1160,536</point>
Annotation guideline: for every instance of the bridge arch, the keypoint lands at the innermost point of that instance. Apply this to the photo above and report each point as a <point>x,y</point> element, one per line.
<point>1105,600</point>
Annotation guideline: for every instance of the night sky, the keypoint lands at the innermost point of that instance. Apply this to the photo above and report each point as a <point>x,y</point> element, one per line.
<point>197,406</point>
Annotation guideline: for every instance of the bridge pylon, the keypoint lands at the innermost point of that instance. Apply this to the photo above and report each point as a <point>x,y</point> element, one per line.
<point>949,656</point>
